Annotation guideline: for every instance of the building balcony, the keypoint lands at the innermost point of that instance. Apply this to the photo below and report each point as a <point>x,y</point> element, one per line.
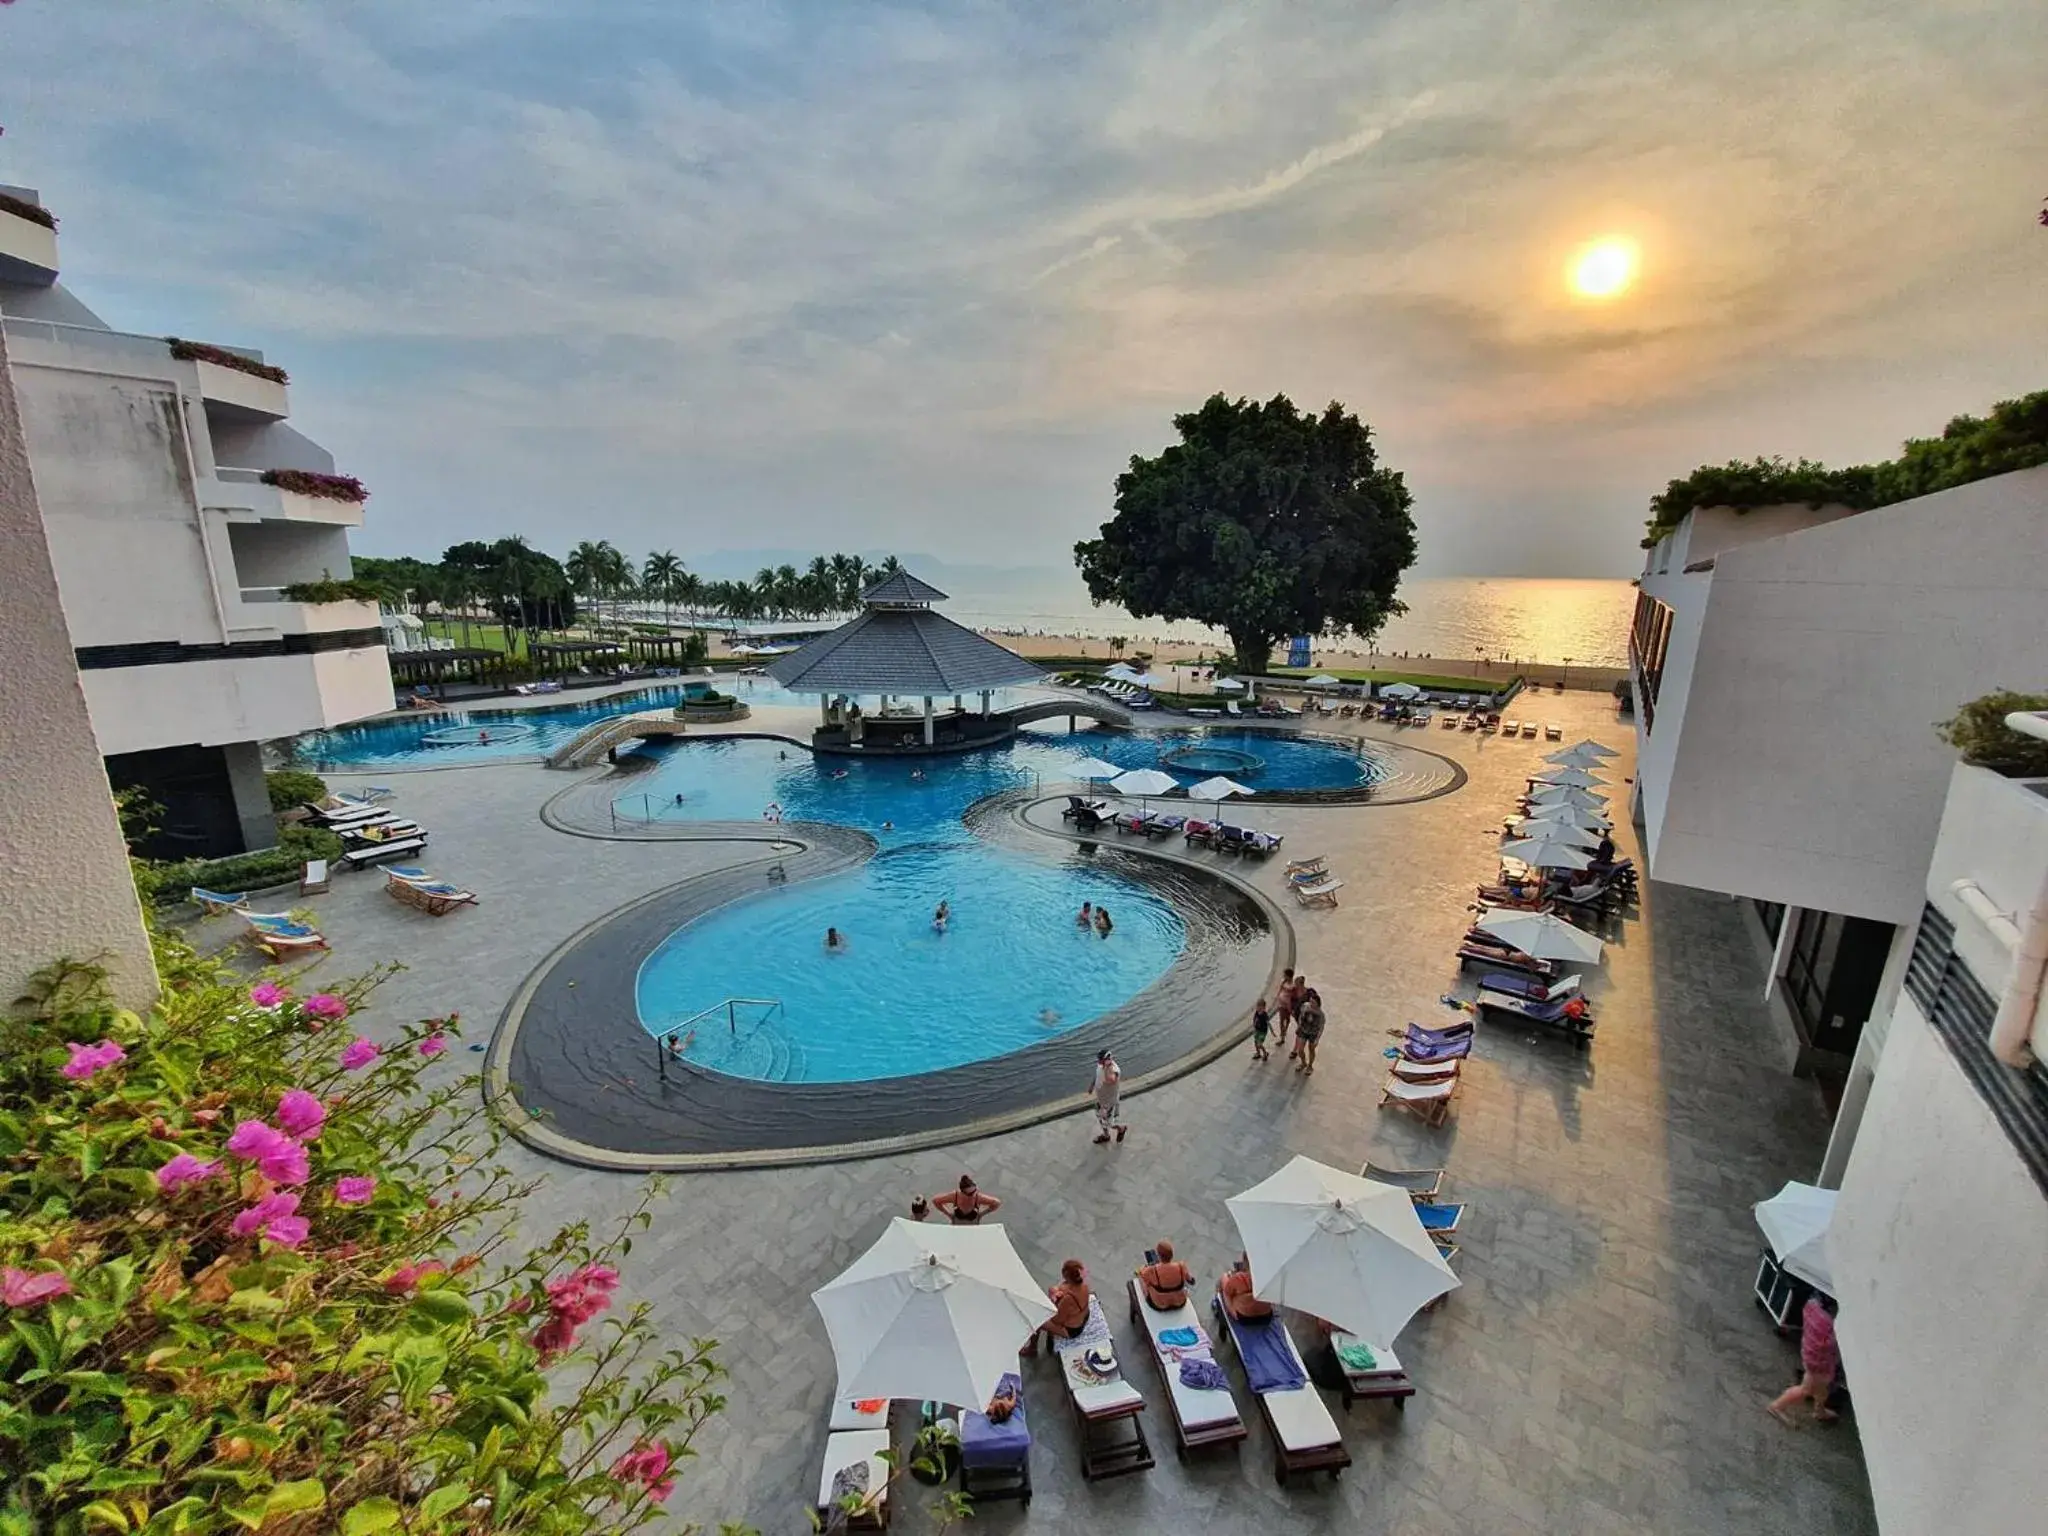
<point>242,494</point>
<point>267,608</point>
<point>28,250</point>
<point>241,395</point>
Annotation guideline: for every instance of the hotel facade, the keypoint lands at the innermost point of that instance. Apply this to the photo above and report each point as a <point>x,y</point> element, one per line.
<point>156,473</point>
<point>1789,665</point>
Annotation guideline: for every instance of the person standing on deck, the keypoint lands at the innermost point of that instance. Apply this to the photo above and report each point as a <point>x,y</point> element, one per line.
<point>1108,1089</point>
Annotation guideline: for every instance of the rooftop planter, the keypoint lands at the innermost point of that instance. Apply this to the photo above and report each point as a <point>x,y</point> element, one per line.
<point>23,209</point>
<point>1980,733</point>
<point>329,592</point>
<point>200,352</point>
<point>307,482</point>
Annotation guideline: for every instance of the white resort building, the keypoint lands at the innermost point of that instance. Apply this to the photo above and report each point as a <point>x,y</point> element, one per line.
<point>1789,665</point>
<point>181,513</point>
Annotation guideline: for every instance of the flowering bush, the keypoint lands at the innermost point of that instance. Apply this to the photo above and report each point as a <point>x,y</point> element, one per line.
<point>22,208</point>
<point>205,352</point>
<point>308,482</point>
<point>243,1288</point>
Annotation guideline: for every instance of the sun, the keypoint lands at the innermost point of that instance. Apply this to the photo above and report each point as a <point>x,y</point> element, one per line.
<point>1605,268</point>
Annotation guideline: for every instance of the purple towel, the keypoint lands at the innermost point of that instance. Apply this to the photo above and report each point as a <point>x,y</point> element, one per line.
<point>1269,1364</point>
<point>1203,1375</point>
<point>987,1444</point>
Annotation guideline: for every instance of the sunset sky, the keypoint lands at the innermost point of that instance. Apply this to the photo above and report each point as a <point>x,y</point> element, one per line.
<point>833,275</point>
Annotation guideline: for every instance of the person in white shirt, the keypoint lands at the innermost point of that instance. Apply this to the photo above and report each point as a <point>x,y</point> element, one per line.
<point>1108,1090</point>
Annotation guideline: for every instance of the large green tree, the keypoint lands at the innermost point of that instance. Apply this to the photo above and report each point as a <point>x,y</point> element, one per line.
<point>1262,521</point>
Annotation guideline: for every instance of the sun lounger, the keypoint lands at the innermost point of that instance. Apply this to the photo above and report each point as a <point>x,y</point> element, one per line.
<point>1319,893</point>
<point>378,831</point>
<point>1199,831</point>
<point>1516,985</point>
<point>1076,804</point>
<point>1259,844</point>
<point>1197,709</point>
<point>1230,708</point>
<point>1475,952</point>
<point>277,935</point>
<point>1429,1102</point>
<point>1428,1054</point>
<point>1552,731</point>
<point>1165,826</point>
<point>213,903</point>
<point>1308,868</point>
<point>1409,1070</point>
<point>1450,722</point>
<point>862,1413</point>
<point>1201,1416</point>
<point>1106,1409</point>
<point>1510,727</point>
<point>1131,821</point>
<point>1558,1014</point>
<point>1421,1183</point>
<point>845,1450</point>
<point>437,897</point>
<point>995,1459</point>
<point>1528,730</point>
<point>1368,1370</point>
<point>1309,876</point>
<point>1450,1034</point>
<point>370,853</point>
<point>1305,1437</point>
<point>1439,1221</point>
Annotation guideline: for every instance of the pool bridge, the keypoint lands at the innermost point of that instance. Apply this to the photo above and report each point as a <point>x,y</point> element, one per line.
<point>592,743</point>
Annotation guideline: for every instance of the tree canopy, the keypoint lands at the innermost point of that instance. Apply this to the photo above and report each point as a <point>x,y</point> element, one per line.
<point>1262,521</point>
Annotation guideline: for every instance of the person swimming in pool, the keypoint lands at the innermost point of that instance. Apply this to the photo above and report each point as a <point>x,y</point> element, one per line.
<point>483,738</point>
<point>1102,923</point>
<point>943,916</point>
<point>916,775</point>
<point>835,941</point>
<point>1049,1017</point>
<point>840,774</point>
<point>1086,918</point>
<point>888,826</point>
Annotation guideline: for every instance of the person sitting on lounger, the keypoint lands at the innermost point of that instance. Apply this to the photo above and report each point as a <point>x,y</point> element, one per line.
<point>966,1205</point>
<point>1070,1300</point>
<point>1165,1280</point>
<point>1604,854</point>
<point>1238,1300</point>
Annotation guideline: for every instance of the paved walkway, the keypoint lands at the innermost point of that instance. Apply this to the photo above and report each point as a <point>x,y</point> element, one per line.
<point>1602,1369</point>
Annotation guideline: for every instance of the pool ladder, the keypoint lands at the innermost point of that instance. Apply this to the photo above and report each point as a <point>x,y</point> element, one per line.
<point>730,1008</point>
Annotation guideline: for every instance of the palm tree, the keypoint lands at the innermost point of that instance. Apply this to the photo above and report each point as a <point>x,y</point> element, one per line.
<point>889,567</point>
<point>788,591</point>
<point>615,573</point>
<point>821,589</point>
<point>764,588</point>
<point>858,574</point>
<point>660,577</point>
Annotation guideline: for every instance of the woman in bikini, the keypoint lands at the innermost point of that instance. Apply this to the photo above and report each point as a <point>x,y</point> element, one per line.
<point>966,1205</point>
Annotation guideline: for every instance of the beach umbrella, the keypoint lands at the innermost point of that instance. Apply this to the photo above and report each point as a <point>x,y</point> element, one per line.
<point>931,1312</point>
<point>1144,782</point>
<point>1229,685</point>
<point>1218,788</point>
<point>1571,778</point>
<point>1574,758</point>
<point>1590,748</point>
<point>1559,813</point>
<point>1795,1222</point>
<point>1146,680</point>
<point>1547,853</point>
<point>1400,691</point>
<point>1547,830</point>
<point>1091,768</point>
<point>1342,1248</point>
<point>1539,934</point>
<point>1321,680</point>
<point>1122,671</point>
<point>1546,795</point>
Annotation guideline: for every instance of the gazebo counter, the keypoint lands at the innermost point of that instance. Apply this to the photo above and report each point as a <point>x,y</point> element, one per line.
<point>903,735</point>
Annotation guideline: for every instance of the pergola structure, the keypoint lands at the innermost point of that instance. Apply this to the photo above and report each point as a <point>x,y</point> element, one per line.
<point>898,648</point>
<point>414,669</point>
<point>556,657</point>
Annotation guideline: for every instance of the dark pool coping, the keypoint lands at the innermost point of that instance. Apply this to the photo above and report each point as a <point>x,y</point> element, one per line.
<point>809,851</point>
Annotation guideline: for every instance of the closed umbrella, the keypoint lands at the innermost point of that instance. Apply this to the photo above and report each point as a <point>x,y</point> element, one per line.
<point>931,1312</point>
<point>1795,1222</point>
<point>1339,1247</point>
<point>1548,853</point>
<point>1571,778</point>
<point>1539,934</point>
<point>1091,768</point>
<point>1218,788</point>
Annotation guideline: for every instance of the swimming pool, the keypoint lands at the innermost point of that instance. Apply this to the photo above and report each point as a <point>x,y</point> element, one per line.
<point>1012,968</point>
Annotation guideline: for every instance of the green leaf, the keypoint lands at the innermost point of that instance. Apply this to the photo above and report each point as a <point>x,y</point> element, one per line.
<point>103,1514</point>
<point>369,1517</point>
<point>296,1498</point>
<point>441,1306</point>
<point>444,1501</point>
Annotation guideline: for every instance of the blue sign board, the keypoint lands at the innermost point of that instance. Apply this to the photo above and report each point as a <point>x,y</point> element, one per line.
<point>1297,651</point>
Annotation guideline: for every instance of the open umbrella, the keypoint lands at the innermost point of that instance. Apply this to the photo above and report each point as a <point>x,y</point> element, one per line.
<point>1218,788</point>
<point>1590,748</point>
<point>1144,781</point>
<point>1339,1247</point>
<point>1574,759</point>
<point>1091,768</point>
<point>1146,680</point>
<point>1566,794</point>
<point>1321,680</point>
<point>1581,816</point>
<point>1555,831</point>
<point>1400,691</point>
<point>1540,934</point>
<point>1571,778</point>
<point>1229,685</point>
<point>1547,853</point>
<point>931,1312</point>
<point>1795,1222</point>
<point>1121,670</point>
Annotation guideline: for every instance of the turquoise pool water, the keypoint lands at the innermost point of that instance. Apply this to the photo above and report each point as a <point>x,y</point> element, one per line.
<point>1011,969</point>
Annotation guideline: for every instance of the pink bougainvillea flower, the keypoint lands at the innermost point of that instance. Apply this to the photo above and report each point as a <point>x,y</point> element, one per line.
<point>556,1336</point>
<point>88,1059</point>
<point>252,1139</point>
<point>404,1281</point>
<point>649,1467</point>
<point>273,1207</point>
<point>433,1045</point>
<point>287,1164</point>
<point>356,1189</point>
<point>279,1158</point>
<point>325,1005</point>
<point>288,1231</point>
<point>359,1054</point>
<point>268,994</point>
<point>182,1170</point>
<point>301,1114</point>
<point>18,1288</point>
<point>573,1300</point>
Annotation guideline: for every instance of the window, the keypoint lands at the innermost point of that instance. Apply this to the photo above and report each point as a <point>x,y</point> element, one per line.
<point>1832,969</point>
<point>1648,641</point>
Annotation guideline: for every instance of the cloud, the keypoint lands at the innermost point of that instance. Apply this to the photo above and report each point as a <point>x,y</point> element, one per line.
<point>936,273</point>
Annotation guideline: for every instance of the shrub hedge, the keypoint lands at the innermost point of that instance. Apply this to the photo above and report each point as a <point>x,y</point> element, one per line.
<point>1978,731</point>
<point>22,208</point>
<point>311,483</point>
<point>202,352</point>
<point>291,787</point>
<point>169,883</point>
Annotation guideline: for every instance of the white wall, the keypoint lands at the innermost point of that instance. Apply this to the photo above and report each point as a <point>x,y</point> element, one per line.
<point>1940,1254</point>
<point>276,554</point>
<point>213,703</point>
<point>1660,729</point>
<point>1807,770</point>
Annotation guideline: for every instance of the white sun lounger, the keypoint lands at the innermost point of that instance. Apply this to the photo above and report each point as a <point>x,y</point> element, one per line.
<point>847,1415</point>
<point>1318,893</point>
<point>1100,1406</point>
<point>1230,708</point>
<point>1386,1378</point>
<point>370,853</point>
<point>1431,1102</point>
<point>1200,1417</point>
<point>849,1448</point>
<point>1553,732</point>
<point>1307,869</point>
<point>1305,1437</point>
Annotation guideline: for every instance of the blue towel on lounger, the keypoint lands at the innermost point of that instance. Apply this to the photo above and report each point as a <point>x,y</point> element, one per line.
<point>1203,1376</point>
<point>1269,1364</point>
<point>987,1444</point>
<point>1181,1338</point>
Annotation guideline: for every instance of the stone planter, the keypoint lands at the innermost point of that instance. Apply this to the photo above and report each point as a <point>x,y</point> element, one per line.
<point>718,713</point>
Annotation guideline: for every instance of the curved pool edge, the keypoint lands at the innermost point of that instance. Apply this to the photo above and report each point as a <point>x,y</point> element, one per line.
<point>816,861</point>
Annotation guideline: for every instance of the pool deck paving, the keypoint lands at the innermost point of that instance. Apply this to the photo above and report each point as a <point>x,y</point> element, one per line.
<point>1602,1368</point>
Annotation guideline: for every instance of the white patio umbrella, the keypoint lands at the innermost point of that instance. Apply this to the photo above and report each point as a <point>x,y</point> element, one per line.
<point>1229,685</point>
<point>1095,768</point>
<point>1548,830</point>
<point>931,1312</point>
<point>1321,680</point>
<point>1144,782</point>
<point>1540,934</point>
<point>1566,794</point>
<point>1400,691</point>
<point>1571,778</point>
<point>1146,680</point>
<point>1218,788</point>
<point>1573,759</point>
<point>1795,1222</point>
<point>1577,817</point>
<point>1121,670</point>
<point>1341,1248</point>
<point>1547,853</point>
<point>1591,748</point>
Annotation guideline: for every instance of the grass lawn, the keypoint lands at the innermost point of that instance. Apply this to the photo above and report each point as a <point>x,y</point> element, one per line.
<point>1419,679</point>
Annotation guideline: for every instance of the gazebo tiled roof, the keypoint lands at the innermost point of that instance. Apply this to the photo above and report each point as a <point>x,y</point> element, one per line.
<point>906,649</point>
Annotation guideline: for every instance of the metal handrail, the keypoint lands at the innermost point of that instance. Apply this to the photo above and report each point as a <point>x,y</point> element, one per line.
<point>730,1008</point>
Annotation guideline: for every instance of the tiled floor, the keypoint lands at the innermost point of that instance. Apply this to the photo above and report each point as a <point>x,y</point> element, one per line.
<point>1602,1369</point>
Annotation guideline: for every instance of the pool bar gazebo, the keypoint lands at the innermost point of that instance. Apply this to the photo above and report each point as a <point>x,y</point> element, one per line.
<point>895,650</point>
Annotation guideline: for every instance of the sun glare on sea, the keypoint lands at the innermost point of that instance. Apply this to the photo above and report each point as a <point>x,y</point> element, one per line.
<point>1604,269</point>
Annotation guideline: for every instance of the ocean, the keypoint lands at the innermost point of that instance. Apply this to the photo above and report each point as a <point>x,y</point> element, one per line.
<point>1457,618</point>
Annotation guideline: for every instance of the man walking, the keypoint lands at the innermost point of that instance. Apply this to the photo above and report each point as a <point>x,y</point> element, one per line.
<point>1109,1089</point>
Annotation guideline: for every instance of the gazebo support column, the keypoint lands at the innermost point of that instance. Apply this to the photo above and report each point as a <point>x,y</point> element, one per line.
<point>824,709</point>
<point>927,719</point>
